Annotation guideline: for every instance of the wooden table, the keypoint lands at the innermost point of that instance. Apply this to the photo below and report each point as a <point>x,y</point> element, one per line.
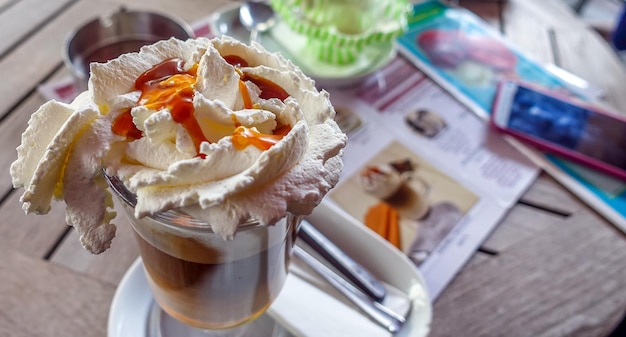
<point>553,267</point>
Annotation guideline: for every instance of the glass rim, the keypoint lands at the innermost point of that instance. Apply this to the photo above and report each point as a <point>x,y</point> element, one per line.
<point>172,217</point>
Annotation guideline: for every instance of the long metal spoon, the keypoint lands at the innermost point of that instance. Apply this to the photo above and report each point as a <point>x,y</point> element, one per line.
<point>380,314</point>
<point>353,271</point>
<point>257,17</point>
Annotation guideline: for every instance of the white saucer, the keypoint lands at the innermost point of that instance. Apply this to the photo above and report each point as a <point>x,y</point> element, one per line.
<point>133,301</point>
<point>372,59</point>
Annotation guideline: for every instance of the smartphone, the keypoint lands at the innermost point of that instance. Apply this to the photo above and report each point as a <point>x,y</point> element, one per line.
<point>562,125</point>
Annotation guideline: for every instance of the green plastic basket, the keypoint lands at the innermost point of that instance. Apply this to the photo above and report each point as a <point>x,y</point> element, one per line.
<point>338,30</point>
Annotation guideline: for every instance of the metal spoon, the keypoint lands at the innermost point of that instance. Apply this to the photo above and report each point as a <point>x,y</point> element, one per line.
<point>379,313</point>
<point>257,17</point>
<point>353,271</point>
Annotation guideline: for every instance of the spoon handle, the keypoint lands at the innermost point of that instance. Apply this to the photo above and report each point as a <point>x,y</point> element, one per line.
<point>358,275</point>
<point>254,35</point>
<point>380,314</point>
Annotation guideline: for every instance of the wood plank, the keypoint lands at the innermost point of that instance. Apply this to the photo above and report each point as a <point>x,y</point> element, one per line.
<point>11,136</point>
<point>577,293</point>
<point>32,235</point>
<point>41,299</point>
<point>23,18</point>
<point>527,29</point>
<point>521,223</point>
<point>37,57</point>
<point>109,266</point>
<point>548,193</point>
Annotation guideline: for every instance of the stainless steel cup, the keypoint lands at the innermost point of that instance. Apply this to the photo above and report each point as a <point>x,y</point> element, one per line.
<point>123,31</point>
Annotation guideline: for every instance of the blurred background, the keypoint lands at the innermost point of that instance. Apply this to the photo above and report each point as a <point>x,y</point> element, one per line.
<point>603,15</point>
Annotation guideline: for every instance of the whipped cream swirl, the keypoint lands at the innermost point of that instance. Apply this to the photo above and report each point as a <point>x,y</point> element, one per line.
<point>250,157</point>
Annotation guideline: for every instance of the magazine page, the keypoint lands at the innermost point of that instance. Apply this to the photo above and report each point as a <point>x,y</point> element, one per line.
<point>423,171</point>
<point>468,58</point>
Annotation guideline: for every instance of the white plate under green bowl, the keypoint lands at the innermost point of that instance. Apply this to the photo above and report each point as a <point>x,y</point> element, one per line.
<point>292,45</point>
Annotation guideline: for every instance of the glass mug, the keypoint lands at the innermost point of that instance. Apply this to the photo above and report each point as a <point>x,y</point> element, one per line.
<point>202,279</point>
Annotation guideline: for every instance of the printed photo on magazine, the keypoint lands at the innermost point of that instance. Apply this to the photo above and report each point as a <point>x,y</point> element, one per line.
<point>403,198</point>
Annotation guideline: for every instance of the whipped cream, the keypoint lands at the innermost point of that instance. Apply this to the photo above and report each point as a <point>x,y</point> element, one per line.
<point>245,151</point>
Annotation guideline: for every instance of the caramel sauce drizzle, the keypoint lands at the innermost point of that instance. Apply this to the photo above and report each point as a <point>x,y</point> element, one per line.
<point>268,88</point>
<point>243,136</point>
<point>245,95</point>
<point>235,61</point>
<point>123,126</point>
<point>169,85</point>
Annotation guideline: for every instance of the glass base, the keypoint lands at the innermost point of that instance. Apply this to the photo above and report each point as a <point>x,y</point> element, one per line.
<point>160,324</point>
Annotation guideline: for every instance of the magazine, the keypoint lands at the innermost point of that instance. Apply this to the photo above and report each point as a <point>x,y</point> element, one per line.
<point>423,171</point>
<point>468,58</point>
